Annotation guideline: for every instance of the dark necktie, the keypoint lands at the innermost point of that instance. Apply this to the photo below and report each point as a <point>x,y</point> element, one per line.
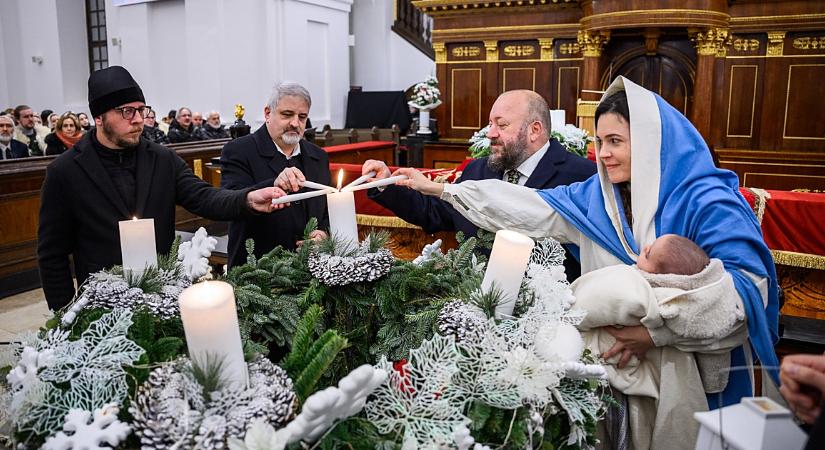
<point>513,176</point>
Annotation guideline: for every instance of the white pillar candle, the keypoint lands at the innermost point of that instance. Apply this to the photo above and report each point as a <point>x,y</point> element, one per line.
<point>210,323</point>
<point>557,119</point>
<point>342,224</point>
<point>508,262</point>
<point>137,245</point>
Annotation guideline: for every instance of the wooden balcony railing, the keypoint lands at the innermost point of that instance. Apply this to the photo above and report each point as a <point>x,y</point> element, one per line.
<point>414,26</point>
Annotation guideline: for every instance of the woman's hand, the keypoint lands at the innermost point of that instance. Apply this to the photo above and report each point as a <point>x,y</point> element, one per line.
<point>803,384</point>
<point>630,341</point>
<point>418,181</point>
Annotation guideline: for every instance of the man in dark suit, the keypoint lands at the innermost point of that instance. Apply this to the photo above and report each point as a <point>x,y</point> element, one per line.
<point>521,152</point>
<point>113,175</point>
<point>10,148</point>
<point>276,153</point>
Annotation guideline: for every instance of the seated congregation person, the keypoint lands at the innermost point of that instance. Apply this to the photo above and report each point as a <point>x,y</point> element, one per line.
<point>9,147</point>
<point>113,175</point>
<point>182,129</point>
<point>66,134</point>
<point>27,131</point>
<point>213,127</point>
<point>275,153</point>
<point>84,122</point>
<point>655,177</point>
<point>688,302</point>
<point>151,131</point>
<point>521,153</point>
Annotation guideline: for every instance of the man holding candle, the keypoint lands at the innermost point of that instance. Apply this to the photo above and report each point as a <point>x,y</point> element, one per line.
<point>113,175</point>
<point>521,153</point>
<point>276,153</point>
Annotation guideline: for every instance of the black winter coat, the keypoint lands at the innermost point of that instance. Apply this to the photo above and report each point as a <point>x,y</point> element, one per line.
<point>215,133</point>
<point>177,133</point>
<point>254,161</point>
<point>155,134</point>
<point>80,210</point>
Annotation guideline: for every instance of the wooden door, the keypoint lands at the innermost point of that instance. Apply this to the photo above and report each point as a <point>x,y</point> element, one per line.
<point>668,72</point>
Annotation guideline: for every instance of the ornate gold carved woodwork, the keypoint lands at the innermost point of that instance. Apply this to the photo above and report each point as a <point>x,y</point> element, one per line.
<point>710,41</point>
<point>465,51</point>
<point>438,7</point>
<point>776,43</point>
<point>546,46</point>
<point>803,288</point>
<point>570,48</point>
<point>809,43</point>
<point>492,50</point>
<point>593,42</point>
<point>440,52</point>
<point>519,50</point>
<point>745,45</point>
<point>651,40</point>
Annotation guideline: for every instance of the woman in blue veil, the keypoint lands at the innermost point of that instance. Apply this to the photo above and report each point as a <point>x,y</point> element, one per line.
<point>665,182</point>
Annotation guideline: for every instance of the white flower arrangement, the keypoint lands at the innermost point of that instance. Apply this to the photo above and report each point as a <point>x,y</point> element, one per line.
<point>480,143</point>
<point>426,94</point>
<point>574,139</point>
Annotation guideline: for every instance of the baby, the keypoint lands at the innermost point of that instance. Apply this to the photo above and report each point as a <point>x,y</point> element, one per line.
<point>686,301</point>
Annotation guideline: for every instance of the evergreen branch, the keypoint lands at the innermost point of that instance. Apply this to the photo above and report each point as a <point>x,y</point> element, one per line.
<point>301,341</point>
<point>320,361</point>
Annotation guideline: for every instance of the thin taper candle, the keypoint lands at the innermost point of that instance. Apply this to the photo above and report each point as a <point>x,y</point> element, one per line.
<point>376,183</point>
<point>302,196</point>
<point>361,179</point>
<point>314,185</point>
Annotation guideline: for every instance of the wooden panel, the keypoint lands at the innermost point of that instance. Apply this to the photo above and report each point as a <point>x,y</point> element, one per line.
<point>773,170</point>
<point>742,100</point>
<point>465,98</point>
<point>518,78</point>
<point>802,104</point>
<point>567,91</point>
<point>445,156</point>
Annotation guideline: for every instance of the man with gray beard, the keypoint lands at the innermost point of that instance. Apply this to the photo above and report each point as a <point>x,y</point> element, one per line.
<point>521,152</point>
<point>276,153</point>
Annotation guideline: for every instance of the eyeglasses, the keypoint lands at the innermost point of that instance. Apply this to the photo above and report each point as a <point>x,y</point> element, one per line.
<point>128,112</point>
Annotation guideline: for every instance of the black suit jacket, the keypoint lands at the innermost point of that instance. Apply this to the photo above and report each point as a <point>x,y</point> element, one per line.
<point>80,210</point>
<point>18,149</point>
<point>254,160</point>
<point>557,167</point>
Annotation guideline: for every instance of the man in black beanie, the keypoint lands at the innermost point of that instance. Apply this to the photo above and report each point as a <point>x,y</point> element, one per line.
<point>113,175</point>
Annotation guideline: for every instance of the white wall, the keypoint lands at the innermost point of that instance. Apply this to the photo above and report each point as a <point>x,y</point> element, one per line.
<point>212,54</point>
<point>59,83</point>
<point>209,54</point>
<point>382,60</point>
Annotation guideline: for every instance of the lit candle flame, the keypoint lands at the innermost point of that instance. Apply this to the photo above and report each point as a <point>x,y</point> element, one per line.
<point>134,217</point>
<point>340,178</point>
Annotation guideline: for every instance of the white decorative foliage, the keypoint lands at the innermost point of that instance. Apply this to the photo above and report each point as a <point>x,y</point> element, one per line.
<point>324,407</point>
<point>429,252</point>
<point>103,428</point>
<point>92,366</point>
<point>563,344</point>
<point>194,255</point>
<point>261,436</point>
<point>418,402</point>
<point>25,373</point>
<point>463,440</point>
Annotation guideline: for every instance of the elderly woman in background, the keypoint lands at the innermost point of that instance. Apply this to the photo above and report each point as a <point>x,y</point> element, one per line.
<point>665,182</point>
<point>66,134</point>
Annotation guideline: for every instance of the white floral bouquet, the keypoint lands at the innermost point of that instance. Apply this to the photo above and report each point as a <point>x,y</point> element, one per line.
<point>426,94</point>
<point>574,139</point>
<point>480,143</point>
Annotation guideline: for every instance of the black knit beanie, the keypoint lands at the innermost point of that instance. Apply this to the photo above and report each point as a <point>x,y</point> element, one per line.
<point>112,87</point>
